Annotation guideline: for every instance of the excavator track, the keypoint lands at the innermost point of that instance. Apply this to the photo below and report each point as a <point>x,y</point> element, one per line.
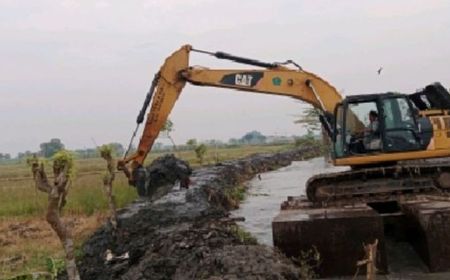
<point>378,183</point>
<point>405,204</point>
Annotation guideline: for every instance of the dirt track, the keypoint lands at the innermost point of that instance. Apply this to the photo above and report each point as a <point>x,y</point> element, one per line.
<point>186,234</point>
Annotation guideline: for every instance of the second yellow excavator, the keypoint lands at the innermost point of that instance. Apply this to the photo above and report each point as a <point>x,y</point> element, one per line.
<point>372,133</point>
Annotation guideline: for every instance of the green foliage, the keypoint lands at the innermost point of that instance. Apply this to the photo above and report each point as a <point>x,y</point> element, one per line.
<point>236,194</point>
<point>5,157</point>
<point>233,142</point>
<point>310,141</point>
<point>87,202</point>
<point>117,149</point>
<point>168,126</point>
<point>86,153</point>
<point>86,191</point>
<point>35,160</point>
<point>243,236</point>
<point>309,119</point>
<point>23,155</point>
<point>32,276</point>
<point>192,143</point>
<point>86,197</point>
<point>309,261</point>
<point>78,252</point>
<point>253,137</point>
<point>106,151</point>
<point>55,266</point>
<point>307,141</point>
<point>200,152</point>
<point>62,159</point>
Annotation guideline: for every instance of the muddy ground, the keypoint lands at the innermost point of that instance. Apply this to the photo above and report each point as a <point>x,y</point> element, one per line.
<point>187,234</point>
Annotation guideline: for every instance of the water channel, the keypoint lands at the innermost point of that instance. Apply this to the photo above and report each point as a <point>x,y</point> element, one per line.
<point>267,191</point>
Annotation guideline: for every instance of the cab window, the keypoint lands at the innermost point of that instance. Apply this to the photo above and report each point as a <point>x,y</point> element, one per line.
<point>400,125</point>
<point>362,129</point>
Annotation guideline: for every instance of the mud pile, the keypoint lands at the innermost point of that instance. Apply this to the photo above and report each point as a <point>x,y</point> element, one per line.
<point>187,234</point>
<point>163,173</point>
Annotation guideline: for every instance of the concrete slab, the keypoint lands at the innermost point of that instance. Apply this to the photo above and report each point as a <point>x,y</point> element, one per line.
<point>337,233</point>
<point>429,231</point>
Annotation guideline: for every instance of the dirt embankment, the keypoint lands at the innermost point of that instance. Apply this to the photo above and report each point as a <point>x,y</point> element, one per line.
<point>186,234</point>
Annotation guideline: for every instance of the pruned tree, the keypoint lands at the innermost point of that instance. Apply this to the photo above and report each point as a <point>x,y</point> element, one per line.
<point>63,170</point>
<point>117,149</point>
<point>309,119</point>
<point>200,152</point>
<point>369,261</point>
<point>106,152</point>
<point>168,129</point>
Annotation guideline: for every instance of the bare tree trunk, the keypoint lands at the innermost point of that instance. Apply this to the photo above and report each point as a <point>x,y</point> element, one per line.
<point>56,199</point>
<point>371,253</point>
<point>107,184</point>
<point>173,144</point>
<point>326,144</point>
<point>369,261</point>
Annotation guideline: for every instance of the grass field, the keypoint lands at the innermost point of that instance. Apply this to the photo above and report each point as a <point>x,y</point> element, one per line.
<point>26,240</point>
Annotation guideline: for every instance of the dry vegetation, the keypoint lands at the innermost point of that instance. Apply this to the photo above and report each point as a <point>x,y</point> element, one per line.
<point>27,242</point>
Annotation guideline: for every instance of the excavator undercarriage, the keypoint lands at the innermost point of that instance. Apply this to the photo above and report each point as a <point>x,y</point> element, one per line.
<point>407,203</point>
<point>378,183</point>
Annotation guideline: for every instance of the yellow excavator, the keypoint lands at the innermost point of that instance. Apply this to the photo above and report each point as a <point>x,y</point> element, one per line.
<point>383,137</point>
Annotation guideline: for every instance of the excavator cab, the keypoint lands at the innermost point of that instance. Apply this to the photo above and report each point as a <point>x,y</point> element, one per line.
<point>379,123</point>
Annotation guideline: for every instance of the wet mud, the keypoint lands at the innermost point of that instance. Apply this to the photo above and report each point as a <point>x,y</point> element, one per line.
<point>188,233</point>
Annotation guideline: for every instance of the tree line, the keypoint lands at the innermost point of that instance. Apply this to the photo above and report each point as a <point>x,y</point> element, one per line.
<point>51,147</point>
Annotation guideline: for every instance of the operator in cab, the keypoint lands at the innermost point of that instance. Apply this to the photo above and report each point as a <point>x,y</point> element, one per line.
<point>372,139</point>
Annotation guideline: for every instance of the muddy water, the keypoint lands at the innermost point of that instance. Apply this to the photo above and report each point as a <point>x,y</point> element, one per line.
<point>266,193</point>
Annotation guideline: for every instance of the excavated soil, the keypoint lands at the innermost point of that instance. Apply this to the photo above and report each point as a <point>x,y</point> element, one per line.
<point>187,234</point>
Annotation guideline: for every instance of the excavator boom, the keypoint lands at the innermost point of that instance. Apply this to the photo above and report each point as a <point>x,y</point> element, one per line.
<point>276,79</point>
<point>401,135</point>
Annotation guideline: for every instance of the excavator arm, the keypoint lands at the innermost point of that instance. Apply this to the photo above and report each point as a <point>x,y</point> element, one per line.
<point>273,78</point>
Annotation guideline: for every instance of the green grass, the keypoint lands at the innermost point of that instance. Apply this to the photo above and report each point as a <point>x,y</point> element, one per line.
<point>21,204</point>
<point>20,198</point>
<point>235,195</point>
<point>244,236</point>
<point>223,154</point>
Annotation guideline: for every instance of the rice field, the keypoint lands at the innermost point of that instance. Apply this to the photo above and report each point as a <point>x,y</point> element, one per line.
<point>27,242</point>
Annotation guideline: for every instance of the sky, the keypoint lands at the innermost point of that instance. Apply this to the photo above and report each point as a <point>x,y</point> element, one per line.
<point>79,70</point>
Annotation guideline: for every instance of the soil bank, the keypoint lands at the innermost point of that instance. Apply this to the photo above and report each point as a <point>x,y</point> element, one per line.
<point>188,234</point>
